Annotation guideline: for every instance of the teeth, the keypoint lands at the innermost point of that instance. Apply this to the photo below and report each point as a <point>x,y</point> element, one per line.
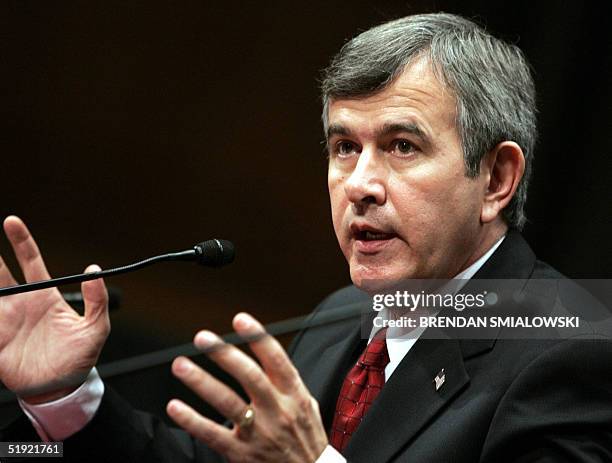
<point>374,236</point>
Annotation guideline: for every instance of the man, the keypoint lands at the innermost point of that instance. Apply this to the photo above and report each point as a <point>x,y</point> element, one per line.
<point>430,126</point>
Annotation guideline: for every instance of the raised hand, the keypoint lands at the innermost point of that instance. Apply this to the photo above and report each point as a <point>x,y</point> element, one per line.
<point>46,347</point>
<point>282,422</point>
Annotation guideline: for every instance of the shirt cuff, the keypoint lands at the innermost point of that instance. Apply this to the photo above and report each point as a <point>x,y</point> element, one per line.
<point>330,455</point>
<point>61,418</point>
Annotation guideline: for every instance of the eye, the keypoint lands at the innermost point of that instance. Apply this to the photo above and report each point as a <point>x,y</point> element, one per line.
<point>345,148</point>
<point>403,147</point>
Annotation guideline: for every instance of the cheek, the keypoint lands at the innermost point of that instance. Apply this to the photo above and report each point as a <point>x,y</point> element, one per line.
<point>430,206</point>
<point>416,198</point>
<point>337,201</point>
<point>333,180</point>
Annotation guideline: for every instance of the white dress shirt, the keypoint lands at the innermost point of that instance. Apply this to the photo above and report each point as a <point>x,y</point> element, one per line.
<point>59,419</point>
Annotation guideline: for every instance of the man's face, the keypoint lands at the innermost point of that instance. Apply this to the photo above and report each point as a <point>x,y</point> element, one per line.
<point>402,206</point>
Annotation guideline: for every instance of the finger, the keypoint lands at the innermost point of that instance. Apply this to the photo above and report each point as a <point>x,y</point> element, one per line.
<point>6,277</point>
<point>210,389</point>
<point>270,353</point>
<point>218,437</point>
<point>26,250</point>
<point>95,295</point>
<point>242,367</point>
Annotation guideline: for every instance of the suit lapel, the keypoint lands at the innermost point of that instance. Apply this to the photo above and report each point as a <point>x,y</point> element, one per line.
<point>409,400</point>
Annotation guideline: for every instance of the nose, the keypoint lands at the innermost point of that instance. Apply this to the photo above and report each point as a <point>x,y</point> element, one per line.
<point>365,185</point>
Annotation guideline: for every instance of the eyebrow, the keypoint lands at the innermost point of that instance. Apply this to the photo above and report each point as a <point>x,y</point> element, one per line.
<point>386,129</point>
<point>395,127</point>
<point>337,129</point>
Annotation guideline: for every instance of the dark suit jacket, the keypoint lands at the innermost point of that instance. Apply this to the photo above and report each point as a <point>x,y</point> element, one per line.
<point>503,400</point>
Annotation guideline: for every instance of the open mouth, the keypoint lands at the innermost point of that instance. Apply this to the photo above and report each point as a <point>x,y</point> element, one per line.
<point>367,235</point>
<point>369,239</point>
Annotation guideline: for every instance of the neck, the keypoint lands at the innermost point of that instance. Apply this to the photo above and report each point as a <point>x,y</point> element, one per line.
<point>491,234</point>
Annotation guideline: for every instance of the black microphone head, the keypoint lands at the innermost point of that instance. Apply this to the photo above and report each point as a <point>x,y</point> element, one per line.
<point>215,253</point>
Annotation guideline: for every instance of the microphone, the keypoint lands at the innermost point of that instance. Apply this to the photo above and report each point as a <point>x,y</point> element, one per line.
<point>214,253</point>
<point>211,253</point>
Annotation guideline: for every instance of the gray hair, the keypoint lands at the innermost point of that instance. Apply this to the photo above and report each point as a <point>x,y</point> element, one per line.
<point>490,79</point>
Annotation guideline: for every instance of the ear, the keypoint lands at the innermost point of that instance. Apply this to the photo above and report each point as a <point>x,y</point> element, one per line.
<point>502,168</point>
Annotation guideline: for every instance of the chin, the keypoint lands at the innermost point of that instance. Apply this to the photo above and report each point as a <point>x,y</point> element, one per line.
<point>375,279</point>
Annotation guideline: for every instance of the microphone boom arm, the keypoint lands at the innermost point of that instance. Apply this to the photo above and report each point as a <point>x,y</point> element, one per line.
<point>213,252</point>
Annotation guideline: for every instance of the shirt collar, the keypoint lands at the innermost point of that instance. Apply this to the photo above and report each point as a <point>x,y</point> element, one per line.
<point>469,272</point>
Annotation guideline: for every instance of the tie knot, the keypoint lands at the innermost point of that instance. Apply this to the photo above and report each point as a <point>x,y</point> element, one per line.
<point>376,353</point>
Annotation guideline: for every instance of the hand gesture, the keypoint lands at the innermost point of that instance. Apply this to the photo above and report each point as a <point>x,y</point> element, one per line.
<point>46,348</point>
<point>281,424</point>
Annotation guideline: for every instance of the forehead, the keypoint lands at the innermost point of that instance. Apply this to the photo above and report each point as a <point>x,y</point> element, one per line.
<point>416,96</point>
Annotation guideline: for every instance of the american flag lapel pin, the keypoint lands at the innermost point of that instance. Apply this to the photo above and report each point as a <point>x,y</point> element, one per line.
<point>440,379</point>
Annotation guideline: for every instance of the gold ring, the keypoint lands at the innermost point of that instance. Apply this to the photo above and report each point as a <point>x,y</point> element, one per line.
<point>248,417</point>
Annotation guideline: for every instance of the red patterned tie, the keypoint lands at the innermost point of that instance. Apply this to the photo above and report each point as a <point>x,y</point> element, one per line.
<point>360,388</point>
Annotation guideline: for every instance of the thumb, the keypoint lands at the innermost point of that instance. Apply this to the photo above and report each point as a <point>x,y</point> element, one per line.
<point>95,295</point>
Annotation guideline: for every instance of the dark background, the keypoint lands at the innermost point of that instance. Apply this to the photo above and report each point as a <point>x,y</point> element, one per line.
<point>135,128</point>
